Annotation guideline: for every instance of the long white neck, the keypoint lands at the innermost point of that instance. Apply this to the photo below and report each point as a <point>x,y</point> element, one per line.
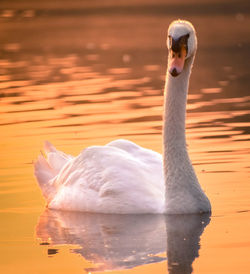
<point>175,98</point>
<point>183,192</point>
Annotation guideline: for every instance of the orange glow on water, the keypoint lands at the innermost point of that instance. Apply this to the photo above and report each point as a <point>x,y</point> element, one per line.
<point>93,74</point>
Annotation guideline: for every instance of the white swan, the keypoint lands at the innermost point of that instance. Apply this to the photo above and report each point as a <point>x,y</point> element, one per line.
<point>122,177</point>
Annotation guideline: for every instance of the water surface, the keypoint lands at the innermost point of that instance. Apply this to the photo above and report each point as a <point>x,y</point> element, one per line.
<point>85,73</point>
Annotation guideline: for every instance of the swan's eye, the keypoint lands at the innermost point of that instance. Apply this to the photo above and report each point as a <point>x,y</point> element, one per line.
<point>184,38</point>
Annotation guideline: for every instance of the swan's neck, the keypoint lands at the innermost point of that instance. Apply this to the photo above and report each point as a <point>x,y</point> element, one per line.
<point>183,192</point>
<point>175,99</point>
<point>180,177</point>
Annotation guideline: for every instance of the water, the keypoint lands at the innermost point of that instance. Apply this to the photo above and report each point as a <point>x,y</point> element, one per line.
<point>85,73</point>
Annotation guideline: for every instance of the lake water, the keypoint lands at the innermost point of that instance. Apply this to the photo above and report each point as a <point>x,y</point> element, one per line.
<point>86,72</point>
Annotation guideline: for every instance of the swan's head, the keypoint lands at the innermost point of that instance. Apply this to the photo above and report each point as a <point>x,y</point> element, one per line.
<point>181,43</point>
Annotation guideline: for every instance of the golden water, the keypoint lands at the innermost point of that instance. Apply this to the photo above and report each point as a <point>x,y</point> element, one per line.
<point>83,74</point>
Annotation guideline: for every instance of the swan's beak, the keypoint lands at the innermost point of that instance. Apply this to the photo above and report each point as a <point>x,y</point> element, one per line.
<point>177,55</point>
<point>177,60</point>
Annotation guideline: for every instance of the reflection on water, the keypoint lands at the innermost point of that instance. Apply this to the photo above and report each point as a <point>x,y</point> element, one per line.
<point>183,240</point>
<point>125,241</point>
<point>83,73</point>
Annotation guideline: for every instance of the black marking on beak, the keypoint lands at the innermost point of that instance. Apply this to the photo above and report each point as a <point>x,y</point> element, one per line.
<point>176,45</point>
<point>174,72</point>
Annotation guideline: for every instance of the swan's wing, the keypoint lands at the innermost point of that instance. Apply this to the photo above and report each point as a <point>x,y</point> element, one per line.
<point>138,152</point>
<point>151,159</point>
<point>111,180</point>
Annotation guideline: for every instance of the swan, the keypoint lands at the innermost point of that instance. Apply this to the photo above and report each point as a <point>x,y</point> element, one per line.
<point>124,178</point>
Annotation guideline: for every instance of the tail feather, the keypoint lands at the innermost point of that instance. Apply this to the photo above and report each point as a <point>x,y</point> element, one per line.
<point>47,169</point>
<point>56,159</point>
<point>48,147</point>
<point>44,174</point>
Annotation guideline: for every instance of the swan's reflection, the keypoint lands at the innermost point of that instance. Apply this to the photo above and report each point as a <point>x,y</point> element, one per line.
<point>183,240</point>
<point>125,241</point>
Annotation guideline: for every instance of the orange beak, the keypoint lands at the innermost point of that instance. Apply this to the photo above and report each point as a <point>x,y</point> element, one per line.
<point>177,61</point>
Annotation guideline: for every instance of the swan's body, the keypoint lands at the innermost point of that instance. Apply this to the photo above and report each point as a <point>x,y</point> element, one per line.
<point>123,177</point>
<point>120,177</point>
